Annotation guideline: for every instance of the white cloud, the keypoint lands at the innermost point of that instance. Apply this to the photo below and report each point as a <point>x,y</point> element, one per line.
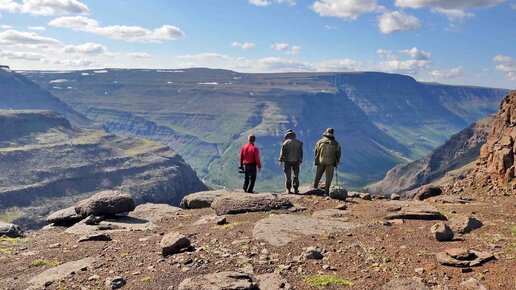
<point>74,62</point>
<point>14,37</point>
<point>260,3</point>
<point>330,27</point>
<point>419,60</point>
<point>5,27</point>
<point>451,73</point>
<point>207,56</point>
<point>395,21</point>
<point>37,28</point>
<point>139,55</point>
<point>417,54</point>
<point>455,10</point>
<point>243,45</point>
<point>513,6</point>
<point>45,7</point>
<point>120,32</point>
<point>347,9</point>
<point>507,65</point>
<point>338,65</point>
<point>265,3</point>
<point>386,54</point>
<point>275,64</point>
<point>86,48</point>
<point>21,55</point>
<point>285,47</point>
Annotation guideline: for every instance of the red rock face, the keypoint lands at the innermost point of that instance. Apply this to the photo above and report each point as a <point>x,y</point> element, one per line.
<point>497,156</point>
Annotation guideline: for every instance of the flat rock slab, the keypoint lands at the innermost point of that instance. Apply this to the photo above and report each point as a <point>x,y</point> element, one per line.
<point>413,210</point>
<point>236,203</point>
<point>458,257</point>
<point>59,272</point>
<point>154,212</point>
<point>219,281</point>
<point>279,230</point>
<point>111,225</point>
<point>65,217</point>
<point>201,199</point>
<point>451,199</point>
<point>464,224</point>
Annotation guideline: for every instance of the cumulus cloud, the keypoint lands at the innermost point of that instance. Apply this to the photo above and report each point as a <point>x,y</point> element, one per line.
<point>347,9</point>
<point>451,73</point>
<point>37,28</point>
<point>453,9</point>
<point>507,65</point>
<point>21,55</point>
<point>243,45</point>
<point>73,62</point>
<point>86,48</point>
<point>14,37</point>
<point>395,21</point>
<point>120,32</point>
<point>265,3</point>
<point>5,27</point>
<point>417,61</point>
<point>260,3</point>
<point>44,7</point>
<point>285,47</point>
<point>417,53</point>
<point>276,64</point>
<point>139,55</point>
<point>338,65</point>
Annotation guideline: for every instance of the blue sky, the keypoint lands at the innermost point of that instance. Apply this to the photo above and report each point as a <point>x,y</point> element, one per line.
<point>450,41</point>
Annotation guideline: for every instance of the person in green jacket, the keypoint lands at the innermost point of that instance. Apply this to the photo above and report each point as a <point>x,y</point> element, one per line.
<point>291,157</point>
<point>327,158</point>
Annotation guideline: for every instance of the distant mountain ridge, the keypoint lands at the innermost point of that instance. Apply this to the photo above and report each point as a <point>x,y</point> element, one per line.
<point>381,119</point>
<point>19,93</point>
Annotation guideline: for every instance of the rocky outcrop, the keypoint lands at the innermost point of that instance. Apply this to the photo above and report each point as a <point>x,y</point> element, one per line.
<point>201,199</point>
<point>65,217</point>
<point>497,157</point>
<point>222,280</point>
<point>10,230</point>
<point>460,257</point>
<point>89,161</point>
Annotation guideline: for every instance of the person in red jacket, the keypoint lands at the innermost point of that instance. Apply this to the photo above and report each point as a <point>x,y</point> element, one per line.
<point>249,161</point>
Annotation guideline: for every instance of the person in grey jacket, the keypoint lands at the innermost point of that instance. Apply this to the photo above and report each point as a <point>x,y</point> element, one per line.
<point>291,157</point>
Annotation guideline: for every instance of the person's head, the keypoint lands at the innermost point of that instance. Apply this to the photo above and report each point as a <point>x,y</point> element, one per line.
<point>251,138</point>
<point>329,131</point>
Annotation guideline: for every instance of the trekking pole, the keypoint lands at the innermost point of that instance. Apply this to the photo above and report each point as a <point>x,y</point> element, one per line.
<point>337,175</point>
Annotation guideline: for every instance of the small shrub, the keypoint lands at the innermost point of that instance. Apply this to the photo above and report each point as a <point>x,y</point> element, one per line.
<point>38,263</point>
<point>146,279</point>
<point>320,281</point>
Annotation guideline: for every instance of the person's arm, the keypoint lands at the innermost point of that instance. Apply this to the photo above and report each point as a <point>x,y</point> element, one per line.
<point>282,152</point>
<point>337,154</point>
<point>242,157</point>
<point>301,153</point>
<point>257,158</point>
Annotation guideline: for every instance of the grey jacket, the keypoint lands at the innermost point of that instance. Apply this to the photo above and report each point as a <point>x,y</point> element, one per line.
<point>291,149</point>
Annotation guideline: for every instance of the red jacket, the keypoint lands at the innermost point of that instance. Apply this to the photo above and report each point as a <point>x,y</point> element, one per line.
<point>250,155</point>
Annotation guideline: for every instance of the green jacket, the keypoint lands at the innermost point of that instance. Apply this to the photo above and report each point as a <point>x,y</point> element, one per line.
<point>291,149</point>
<point>327,151</point>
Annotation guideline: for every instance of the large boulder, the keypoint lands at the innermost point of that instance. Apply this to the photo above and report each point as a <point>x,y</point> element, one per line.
<point>427,192</point>
<point>219,281</point>
<point>273,282</point>
<point>49,276</point>
<point>201,199</point>
<point>236,203</point>
<point>464,224</point>
<point>442,232</point>
<point>105,203</point>
<point>65,217</point>
<point>10,230</point>
<point>173,243</point>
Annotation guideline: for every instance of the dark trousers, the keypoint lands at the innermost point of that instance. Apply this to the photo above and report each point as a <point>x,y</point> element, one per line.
<point>250,177</point>
<point>290,168</point>
<point>321,169</point>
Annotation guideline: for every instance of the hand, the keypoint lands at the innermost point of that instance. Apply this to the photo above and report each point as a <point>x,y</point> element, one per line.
<point>281,163</point>
<point>260,169</point>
